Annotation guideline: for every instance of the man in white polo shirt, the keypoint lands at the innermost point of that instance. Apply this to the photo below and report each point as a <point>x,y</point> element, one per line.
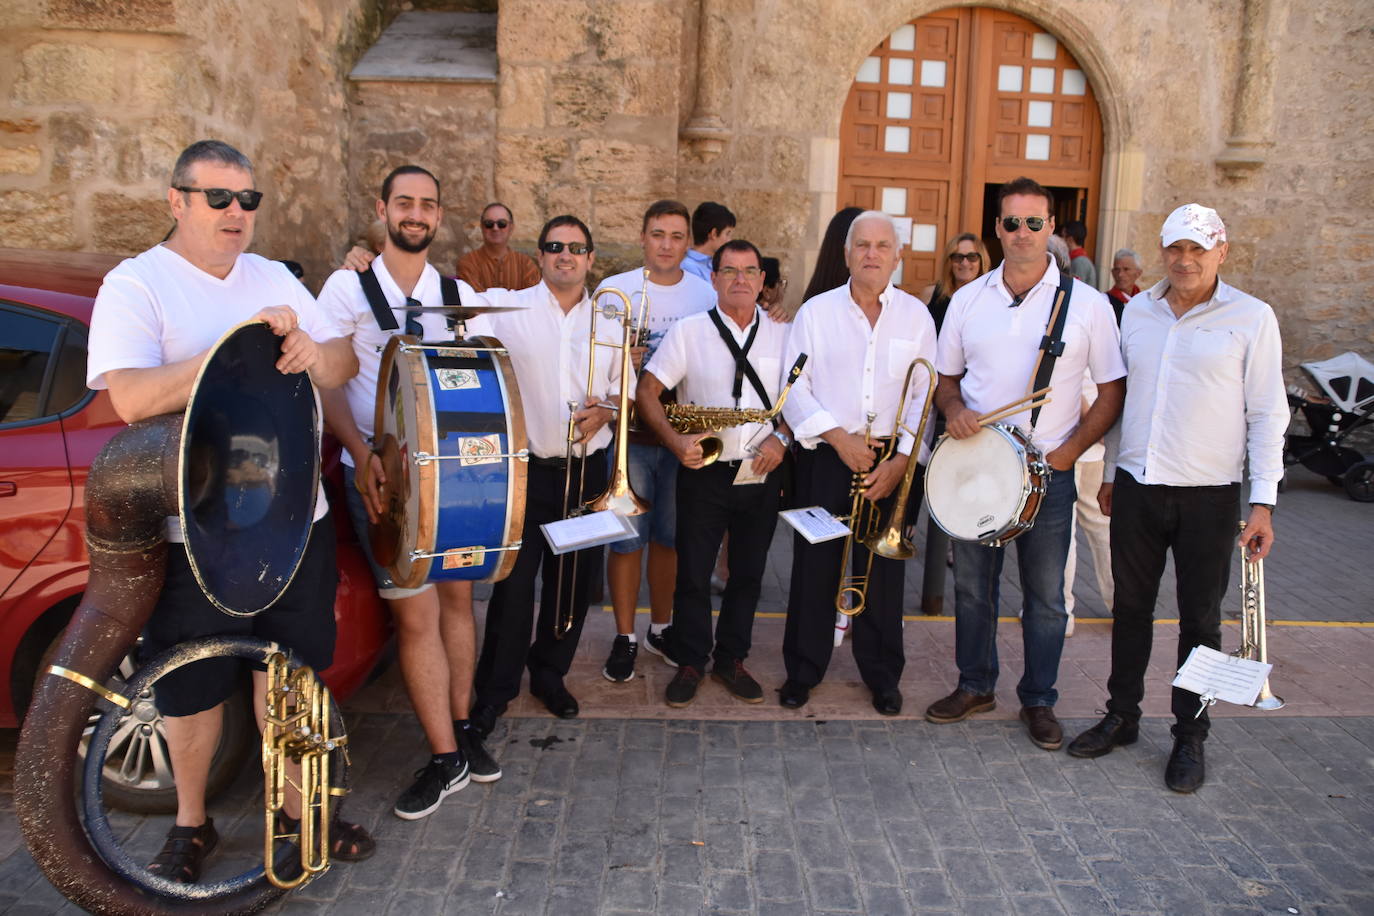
<point>1205,396</point>
<point>989,341</point>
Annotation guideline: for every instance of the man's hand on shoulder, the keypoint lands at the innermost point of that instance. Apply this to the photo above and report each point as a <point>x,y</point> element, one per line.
<point>358,259</point>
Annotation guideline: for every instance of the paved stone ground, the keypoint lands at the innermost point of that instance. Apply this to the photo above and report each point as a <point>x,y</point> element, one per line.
<point>833,810</point>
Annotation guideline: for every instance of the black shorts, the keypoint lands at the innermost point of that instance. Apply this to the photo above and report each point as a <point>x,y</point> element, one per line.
<point>302,620</point>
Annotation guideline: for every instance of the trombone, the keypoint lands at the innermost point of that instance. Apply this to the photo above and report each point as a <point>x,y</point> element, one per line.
<point>891,542</point>
<point>618,496</point>
<point>1252,622</point>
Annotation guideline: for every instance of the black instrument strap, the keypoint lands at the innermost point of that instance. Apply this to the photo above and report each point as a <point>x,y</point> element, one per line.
<point>381,309</point>
<point>448,289</point>
<point>742,366</point>
<point>1053,341</point>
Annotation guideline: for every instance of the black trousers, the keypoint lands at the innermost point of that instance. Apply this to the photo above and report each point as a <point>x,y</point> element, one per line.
<point>1200,525</point>
<point>708,506</point>
<point>506,647</point>
<point>808,638</point>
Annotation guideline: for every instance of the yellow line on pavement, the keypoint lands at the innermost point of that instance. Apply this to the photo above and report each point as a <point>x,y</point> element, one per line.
<point>1353,624</point>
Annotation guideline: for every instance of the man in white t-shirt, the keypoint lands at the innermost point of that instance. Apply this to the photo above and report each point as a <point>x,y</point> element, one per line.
<point>155,318</point>
<point>435,634</point>
<point>992,333</point>
<point>673,294</point>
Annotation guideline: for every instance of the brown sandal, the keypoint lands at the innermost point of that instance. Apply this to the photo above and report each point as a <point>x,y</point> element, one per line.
<point>184,852</point>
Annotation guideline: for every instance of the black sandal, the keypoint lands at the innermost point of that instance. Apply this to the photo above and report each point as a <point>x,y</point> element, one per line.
<point>184,852</point>
<point>348,842</point>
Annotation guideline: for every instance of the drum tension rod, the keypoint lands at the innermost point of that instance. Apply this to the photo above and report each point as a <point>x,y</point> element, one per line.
<point>450,346</point>
<point>426,457</point>
<point>118,699</point>
<point>421,555</point>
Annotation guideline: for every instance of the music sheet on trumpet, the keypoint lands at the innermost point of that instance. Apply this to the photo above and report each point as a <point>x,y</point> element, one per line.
<point>1215,675</point>
<point>815,524</point>
<point>582,531</point>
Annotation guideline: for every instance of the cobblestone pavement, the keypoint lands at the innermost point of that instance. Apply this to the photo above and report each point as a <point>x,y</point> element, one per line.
<point>721,808</point>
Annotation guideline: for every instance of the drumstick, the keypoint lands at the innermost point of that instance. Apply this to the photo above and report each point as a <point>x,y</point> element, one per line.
<point>1015,406</point>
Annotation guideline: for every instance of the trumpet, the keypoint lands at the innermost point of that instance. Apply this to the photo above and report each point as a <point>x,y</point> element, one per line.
<point>618,496</point>
<point>691,418</point>
<point>1252,623</point>
<point>864,519</point>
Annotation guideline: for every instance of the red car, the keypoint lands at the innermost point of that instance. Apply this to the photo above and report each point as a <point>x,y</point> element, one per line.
<point>51,427</point>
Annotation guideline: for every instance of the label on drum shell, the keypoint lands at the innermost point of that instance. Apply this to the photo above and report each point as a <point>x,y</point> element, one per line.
<point>453,379</point>
<point>464,557</point>
<point>479,450</point>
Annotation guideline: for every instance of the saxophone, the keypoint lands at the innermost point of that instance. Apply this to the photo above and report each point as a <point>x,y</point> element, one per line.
<point>693,418</point>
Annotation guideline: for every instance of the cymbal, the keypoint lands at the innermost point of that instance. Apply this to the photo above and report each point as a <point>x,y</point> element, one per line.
<point>385,534</point>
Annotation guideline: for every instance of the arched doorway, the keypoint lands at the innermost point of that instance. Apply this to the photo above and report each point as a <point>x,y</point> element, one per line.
<point>952,105</point>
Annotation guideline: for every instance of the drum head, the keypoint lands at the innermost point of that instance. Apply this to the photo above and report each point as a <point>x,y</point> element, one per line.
<point>975,487</point>
<point>250,467</point>
<point>404,425</point>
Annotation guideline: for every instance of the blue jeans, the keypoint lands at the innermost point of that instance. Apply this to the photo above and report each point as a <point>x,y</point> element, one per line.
<point>1040,554</point>
<point>653,476</point>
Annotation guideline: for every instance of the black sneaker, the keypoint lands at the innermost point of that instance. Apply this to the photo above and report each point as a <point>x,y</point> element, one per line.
<point>620,666</point>
<point>738,680</point>
<point>657,643</point>
<point>434,782</point>
<point>481,768</point>
<point>682,689</point>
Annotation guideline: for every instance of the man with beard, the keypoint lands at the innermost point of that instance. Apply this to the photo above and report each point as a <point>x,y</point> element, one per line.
<point>434,626</point>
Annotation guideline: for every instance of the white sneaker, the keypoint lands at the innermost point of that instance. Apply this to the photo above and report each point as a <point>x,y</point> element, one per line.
<point>841,628</point>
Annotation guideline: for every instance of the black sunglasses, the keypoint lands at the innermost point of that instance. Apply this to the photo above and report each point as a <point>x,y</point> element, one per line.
<point>966,256</point>
<point>573,247</point>
<point>495,223</point>
<point>1033,223</point>
<point>218,198</point>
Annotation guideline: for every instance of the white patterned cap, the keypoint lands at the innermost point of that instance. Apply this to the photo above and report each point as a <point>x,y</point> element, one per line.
<point>1196,223</point>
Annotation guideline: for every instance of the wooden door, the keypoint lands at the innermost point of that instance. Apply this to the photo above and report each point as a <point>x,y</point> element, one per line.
<point>953,103</point>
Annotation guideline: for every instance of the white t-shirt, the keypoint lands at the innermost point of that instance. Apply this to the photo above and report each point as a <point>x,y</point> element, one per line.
<point>158,308</point>
<point>667,304</point>
<point>342,299</point>
<point>993,345</point>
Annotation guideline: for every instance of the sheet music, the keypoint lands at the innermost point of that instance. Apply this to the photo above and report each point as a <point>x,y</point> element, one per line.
<point>815,524</point>
<point>582,531</point>
<point>1214,675</point>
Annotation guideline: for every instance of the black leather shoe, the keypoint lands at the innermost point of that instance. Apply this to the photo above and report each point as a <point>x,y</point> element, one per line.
<point>1098,741</point>
<point>793,695</point>
<point>559,702</point>
<point>888,702</point>
<point>1186,769</point>
<point>483,718</point>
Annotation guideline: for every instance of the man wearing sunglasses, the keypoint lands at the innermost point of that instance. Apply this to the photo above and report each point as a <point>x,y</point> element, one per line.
<point>548,334</point>
<point>992,335</point>
<point>435,633</point>
<point>155,318</point>
<point>494,265</point>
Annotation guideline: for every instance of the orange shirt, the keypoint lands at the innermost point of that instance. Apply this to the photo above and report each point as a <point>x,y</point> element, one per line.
<point>483,272</point>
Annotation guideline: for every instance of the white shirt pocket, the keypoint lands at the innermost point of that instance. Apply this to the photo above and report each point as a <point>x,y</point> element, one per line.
<point>900,353</point>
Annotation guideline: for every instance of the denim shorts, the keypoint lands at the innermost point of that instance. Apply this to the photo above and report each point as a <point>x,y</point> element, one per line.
<point>653,477</point>
<point>357,513</point>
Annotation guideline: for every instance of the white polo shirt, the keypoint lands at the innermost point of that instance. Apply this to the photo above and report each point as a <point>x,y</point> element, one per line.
<point>1205,392</point>
<point>994,346</point>
<point>343,300</point>
<point>693,358</point>
<point>548,350</point>
<point>854,368</point>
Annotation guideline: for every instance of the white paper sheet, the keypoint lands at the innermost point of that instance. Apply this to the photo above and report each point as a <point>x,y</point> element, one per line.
<point>582,531</point>
<point>1214,675</point>
<point>815,524</point>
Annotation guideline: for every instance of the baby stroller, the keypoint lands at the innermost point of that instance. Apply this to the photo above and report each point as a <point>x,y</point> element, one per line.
<point>1346,405</point>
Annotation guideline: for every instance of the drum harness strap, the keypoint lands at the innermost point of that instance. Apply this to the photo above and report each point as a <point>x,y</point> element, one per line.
<point>1052,344</point>
<point>381,309</point>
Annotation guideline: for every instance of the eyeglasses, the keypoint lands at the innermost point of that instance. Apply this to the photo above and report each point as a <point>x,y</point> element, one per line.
<point>573,247</point>
<point>969,256</point>
<point>730,273</point>
<point>1033,223</point>
<point>495,223</point>
<point>218,198</point>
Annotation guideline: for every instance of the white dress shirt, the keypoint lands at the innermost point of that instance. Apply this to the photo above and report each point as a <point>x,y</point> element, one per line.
<point>548,350</point>
<point>343,300</point>
<point>854,368</point>
<point>994,346</point>
<point>1204,392</point>
<point>692,358</point>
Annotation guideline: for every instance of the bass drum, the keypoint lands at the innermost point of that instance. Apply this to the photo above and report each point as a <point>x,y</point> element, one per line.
<point>988,487</point>
<point>450,431</point>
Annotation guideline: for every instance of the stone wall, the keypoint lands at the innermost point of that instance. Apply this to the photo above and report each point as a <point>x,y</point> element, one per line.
<point>97,99</point>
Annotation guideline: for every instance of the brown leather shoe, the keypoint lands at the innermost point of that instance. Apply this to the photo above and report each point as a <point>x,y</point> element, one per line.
<point>1043,727</point>
<point>959,705</point>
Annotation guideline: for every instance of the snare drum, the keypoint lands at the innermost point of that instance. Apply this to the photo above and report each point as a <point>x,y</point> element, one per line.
<point>988,487</point>
<point>451,433</point>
